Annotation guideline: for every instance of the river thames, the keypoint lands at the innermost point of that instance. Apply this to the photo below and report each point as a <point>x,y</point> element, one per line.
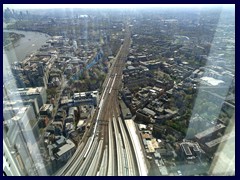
<point>26,45</point>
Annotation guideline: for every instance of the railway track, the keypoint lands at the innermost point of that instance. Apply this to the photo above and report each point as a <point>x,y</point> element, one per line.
<point>85,165</point>
<point>72,169</point>
<point>92,170</point>
<point>104,164</point>
<point>119,148</point>
<point>100,148</point>
<point>128,151</point>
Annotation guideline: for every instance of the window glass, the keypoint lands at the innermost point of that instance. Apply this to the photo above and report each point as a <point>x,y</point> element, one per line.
<point>118,90</point>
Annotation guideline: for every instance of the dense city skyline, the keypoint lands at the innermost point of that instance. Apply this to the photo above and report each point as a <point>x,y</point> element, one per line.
<point>130,91</point>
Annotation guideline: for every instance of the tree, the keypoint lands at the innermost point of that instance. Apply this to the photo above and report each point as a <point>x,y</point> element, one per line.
<point>41,131</point>
<point>171,138</point>
<point>71,81</point>
<point>51,92</point>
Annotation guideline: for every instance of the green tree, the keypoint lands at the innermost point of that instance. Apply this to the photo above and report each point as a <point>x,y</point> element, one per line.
<point>41,131</point>
<point>171,138</point>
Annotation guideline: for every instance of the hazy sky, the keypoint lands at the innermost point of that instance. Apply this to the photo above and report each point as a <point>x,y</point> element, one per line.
<point>51,6</point>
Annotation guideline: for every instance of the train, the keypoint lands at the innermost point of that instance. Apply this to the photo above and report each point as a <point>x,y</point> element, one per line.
<point>112,83</point>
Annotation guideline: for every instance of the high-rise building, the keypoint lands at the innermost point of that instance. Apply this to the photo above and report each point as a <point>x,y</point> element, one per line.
<point>20,137</point>
<point>75,45</point>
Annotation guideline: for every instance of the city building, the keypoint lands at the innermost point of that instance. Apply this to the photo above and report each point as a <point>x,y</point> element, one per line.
<point>212,146</point>
<point>210,133</point>
<point>75,45</point>
<point>21,133</point>
<point>190,150</point>
<point>47,110</point>
<point>24,94</point>
<point>126,113</point>
<point>60,150</point>
<point>86,98</point>
<point>134,77</point>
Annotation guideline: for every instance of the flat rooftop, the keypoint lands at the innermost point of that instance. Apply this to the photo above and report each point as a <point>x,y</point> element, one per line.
<point>209,131</point>
<point>212,81</point>
<point>186,149</point>
<point>46,107</point>
<point>65,148</point>
<point>28,91</point>
<point>219,140</point>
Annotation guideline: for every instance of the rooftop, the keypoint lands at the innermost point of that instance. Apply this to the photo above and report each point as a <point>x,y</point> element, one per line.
<point>149,111</point>
<point>46,107</point>
<point>209,131</point>
<point>186,149</point>
<point>28,91</point>
<point>65,148</point>
<point>218,140</point>
<point>126,112</point>
<point>212,81</point>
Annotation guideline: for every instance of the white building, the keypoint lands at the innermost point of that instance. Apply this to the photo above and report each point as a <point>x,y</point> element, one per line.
<point>86,98</point>
<point>75,45</point>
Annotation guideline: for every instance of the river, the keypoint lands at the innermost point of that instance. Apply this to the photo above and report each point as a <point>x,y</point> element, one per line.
<point>23,47</point>
<point>26,45</point>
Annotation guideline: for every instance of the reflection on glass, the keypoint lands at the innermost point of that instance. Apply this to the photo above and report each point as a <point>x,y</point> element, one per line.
<point>92,90</point>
